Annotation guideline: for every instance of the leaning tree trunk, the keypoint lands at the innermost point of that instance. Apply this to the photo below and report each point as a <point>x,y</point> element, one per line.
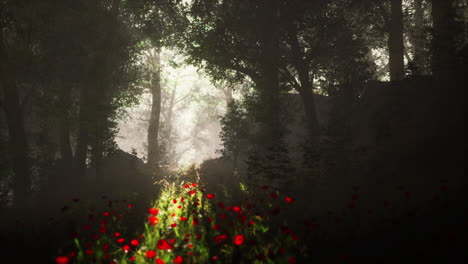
<point>395,41</point>
<point>153,127</point>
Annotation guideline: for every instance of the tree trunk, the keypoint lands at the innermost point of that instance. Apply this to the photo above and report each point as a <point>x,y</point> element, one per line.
<point>418,38</point>
<point>64,128</point>
<point>18,144</point>
<point>395,41</point>
<point>269,73</point>
<point>444,37</point>
<point>153,127</point>
<point>81,153</point>
<point>17,134</point>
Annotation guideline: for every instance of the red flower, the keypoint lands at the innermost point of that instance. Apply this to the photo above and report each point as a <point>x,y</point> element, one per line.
<point>210,196</point>
<point>126,248</point>
<point>174,201</point>
<point>194,184</point>
<point>195,221</point>
<point>222,216</point>
<point>153,211</point>
<point>191,192</point>
<point>62,260</point>
<point>183,218</point>
<point>178,260</point>
<point>239,240</point>
<point>173,225</point>
<point>153,220</point>
<point>105,214</point>
<point>120,240</point>
<point>132,258</point>
<point>214,258</point>
<point>236,209</point>
<point>134,242</point>
<point>220,238</point>
<point>105,247</point>
<point>116,234</point>
<point>181,199</point>
<point>150,253</point>
<point>129,206</point>
<point>89,252</point>
<point>163,244</point>
<point>160,261</point>
<point>289,199</point>
<point>215,227</point>
<point>186,186</point>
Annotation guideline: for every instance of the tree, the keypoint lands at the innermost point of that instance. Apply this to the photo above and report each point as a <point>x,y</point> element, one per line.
<point>154,68</point>
<point>395,41</point>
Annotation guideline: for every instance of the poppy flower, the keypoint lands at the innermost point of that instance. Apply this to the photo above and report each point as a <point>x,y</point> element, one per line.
<point>195,221</point>
<point>183,218</point>
<point>239,240</point>
<point>182,199</point>
<point>134,242</point>
<point>132,258</point>
<point>129,206</point>
<point>126,248</point>
<point>210,196</point>
<point>173,225</point>
<point>116,234</point>
<point>153,211</point>
<point>236,209</point>
<point>120,240</point>
<point>174,201</point>
<point>180,206</point>
<point>89,252</point>
<point>191,192</point>
<point>105,247</point>
<point>215,227</point>
<point>214,258</point>
<point>62,260</point>
<point>186,186</point>
<point>288,199</point>
<point>194,184</point>
<point>220,238</point>
<point>105,214</point>
<point>178,260</point>
<point>163,244</point>
<point>160,261</point>
<point>150,253</point>
<point>153,220</point>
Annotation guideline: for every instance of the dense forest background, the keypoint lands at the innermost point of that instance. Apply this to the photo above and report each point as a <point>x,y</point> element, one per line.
<point>323,99</point>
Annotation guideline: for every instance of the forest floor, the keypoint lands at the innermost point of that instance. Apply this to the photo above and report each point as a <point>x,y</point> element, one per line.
<point>185,219</point>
